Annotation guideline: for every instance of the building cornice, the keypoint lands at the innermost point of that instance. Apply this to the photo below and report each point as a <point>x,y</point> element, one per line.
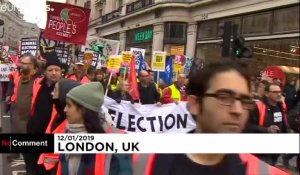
<point>160,5</point>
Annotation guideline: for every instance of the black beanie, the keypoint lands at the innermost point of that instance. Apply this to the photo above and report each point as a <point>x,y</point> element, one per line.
<point>52,59</point>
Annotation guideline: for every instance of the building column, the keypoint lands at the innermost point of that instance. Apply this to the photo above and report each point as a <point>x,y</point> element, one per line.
<point>191,39</point>
<point>122,41</point>
<point>158,37</point>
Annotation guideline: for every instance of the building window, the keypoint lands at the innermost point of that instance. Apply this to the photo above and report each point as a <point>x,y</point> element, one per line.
<point>175,33</point>
<point>257,24</point>
<point>273,52</point>
<point>286,20</point>
<point>237,20</point>
<point>87,4</point>
<point>207,30</point>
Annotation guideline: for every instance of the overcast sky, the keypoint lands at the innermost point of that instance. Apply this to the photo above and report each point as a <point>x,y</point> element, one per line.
<point>34,10</point>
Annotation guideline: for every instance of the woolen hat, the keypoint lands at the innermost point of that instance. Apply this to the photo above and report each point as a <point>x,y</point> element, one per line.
<point>52,59</point>
<point>90,95</point>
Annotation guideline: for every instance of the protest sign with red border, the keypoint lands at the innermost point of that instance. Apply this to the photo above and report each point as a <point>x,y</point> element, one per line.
<point>66,22</point>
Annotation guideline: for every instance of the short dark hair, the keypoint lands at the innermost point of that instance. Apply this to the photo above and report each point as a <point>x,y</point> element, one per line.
<point>267,88</point>
<point>33,59</point>
<point>199,80</point>
<point>264,82</point>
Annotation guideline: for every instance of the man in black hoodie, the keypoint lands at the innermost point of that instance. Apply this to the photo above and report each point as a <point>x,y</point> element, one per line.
<point>59,99</point>
<point>56,124</point>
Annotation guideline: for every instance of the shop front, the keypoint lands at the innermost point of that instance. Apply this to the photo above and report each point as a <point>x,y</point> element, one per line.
<point>140,38</point>
<point>273,36</point>
<point>175,38</point>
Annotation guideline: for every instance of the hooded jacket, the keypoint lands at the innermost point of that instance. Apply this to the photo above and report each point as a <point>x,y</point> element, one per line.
<point>65,85</point>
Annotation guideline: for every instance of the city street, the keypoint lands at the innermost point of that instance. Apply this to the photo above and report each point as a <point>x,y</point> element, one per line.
<point>79,76</point>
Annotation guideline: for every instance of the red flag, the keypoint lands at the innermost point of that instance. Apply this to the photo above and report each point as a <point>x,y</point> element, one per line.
<point>67,23</point>
<point>134,91</point>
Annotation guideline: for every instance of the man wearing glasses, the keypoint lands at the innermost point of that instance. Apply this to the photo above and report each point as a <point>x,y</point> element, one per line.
<point>269,117</point>
<point>219,99</point>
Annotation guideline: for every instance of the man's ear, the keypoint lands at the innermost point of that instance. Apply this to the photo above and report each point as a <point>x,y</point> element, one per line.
<point>193,104</point>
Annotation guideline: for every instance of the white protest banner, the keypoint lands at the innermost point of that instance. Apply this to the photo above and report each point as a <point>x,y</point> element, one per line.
<point>5,69</point>
<point>158,62</point>
<point>139,54</point>
<point>104,47</point>
<point>29,45</point>
<point>168,118</point>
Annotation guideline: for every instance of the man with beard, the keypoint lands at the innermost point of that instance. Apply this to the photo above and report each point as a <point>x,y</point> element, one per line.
<point>23,87</point>
<point>41,106</point>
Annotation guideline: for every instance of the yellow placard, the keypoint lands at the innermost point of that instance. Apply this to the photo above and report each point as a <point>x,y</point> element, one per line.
<point>178,67</point>
<point>158,62</point>
<point>126,56</point>
<point>88,58</point>
<point>114,63</point>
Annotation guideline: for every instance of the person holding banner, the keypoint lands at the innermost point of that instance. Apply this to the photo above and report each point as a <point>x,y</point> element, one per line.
<point>218,107</point>
<point>79,73</point>
<point>176,92</point>
<point>122,92</point>
<point>147,90</point>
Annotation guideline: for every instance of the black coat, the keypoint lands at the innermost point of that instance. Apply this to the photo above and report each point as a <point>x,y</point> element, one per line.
<point>253,124</point>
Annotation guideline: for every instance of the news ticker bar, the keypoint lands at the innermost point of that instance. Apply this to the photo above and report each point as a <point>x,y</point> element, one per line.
<point>149,143</point>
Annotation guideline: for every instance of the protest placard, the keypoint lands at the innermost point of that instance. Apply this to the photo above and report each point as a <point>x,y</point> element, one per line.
<point>139,55</point>
<point>114,63</point>
<point>29,45</point>
<point>158,62</point>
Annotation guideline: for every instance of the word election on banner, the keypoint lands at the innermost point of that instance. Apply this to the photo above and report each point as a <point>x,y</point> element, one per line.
<point>66,22</point>
<point>138,55</point>
<point>114,63</point>
<point>63,54</point>
<point>169,118</point>
<point>5,69</point>
<point>29,45</point>
<point>158,62</point>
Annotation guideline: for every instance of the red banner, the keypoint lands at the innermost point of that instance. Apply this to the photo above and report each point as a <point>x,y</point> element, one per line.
<point>67,23</point>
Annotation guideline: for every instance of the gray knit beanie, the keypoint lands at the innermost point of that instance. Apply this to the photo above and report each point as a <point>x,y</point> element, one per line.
<point>90,95</point>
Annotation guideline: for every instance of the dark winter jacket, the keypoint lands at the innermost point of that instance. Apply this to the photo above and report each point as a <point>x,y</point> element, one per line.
<point>65,85</point>
<point>253,124</point>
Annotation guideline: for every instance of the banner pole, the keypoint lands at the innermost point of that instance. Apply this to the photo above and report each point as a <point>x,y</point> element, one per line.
<point>124,74</point>
<point>109,80</point>
<point>73,53</point>
<point>157,78</point>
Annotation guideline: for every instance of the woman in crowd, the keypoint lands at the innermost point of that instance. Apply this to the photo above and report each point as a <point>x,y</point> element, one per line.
<point>57,123</point>
<point>122,92</point>
<point>82,106</point>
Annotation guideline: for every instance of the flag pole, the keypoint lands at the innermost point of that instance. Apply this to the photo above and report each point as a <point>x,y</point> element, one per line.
<point>157,78</point>
<point>124,74</point>
<point>109,81</point>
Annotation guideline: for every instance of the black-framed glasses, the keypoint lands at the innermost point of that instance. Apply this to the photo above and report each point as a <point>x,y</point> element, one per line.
<point>227,98</point>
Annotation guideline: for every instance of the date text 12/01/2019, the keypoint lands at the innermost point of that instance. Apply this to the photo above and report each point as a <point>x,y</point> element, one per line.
<point>110,147</point>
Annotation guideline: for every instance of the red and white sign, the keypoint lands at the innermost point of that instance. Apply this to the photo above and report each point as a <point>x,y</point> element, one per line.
<point>67,23</point>
<point>272,72</point>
